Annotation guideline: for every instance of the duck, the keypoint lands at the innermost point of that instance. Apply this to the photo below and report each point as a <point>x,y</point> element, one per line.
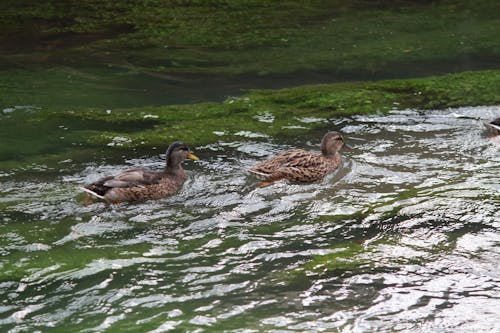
<point>494,126</point>
<point>301,166</point>
<point>142,184</point>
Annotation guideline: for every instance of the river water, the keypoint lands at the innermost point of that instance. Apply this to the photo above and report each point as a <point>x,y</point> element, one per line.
<point>403,238</point>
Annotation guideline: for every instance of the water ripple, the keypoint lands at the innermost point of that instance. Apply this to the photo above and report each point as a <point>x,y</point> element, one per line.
<point>403,237</point>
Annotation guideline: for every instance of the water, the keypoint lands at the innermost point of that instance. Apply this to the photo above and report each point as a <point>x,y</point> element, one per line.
<point>404,237</point>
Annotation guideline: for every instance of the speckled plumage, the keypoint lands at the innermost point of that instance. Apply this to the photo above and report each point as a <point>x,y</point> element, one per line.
<point>141,184</point>
<point>299,165</point>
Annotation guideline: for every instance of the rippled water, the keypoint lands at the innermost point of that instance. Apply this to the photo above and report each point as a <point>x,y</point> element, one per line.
<point>405,237</point>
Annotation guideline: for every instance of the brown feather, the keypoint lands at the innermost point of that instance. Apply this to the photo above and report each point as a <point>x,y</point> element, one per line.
<point>299,165</point>
<point>141,184</point>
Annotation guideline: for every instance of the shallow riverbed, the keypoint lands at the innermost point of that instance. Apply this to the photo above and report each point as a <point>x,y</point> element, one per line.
<point>404,237</point>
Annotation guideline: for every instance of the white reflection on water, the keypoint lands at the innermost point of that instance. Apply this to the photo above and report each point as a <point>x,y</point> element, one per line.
<point>404,237</point>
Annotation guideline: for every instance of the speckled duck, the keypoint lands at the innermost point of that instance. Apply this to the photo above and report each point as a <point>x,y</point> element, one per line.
<point>298,165</point>
<point>142,184</point>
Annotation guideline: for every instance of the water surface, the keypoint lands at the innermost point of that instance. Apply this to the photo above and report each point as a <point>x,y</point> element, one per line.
<point>404,237</point>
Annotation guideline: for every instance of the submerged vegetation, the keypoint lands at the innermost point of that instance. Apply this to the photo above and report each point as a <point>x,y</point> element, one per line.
<point>403,237</point>
<point>119,74</point>
<point>276,112</point>
<point>97,73</point>
<point>92,53</point>
<point>79,132</point>
<point>231,37</point>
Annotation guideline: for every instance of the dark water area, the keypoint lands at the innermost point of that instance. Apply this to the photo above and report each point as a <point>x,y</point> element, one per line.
<point>403,238</point>
<point>76,87</point>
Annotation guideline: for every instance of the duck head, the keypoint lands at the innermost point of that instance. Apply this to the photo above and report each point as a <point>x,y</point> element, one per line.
<point>178,152</point>
<point>331,143</point>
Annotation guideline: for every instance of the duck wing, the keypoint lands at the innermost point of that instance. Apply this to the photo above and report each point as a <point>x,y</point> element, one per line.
<point>273,164</point>
<point>304,160</point>
<point>127,178</point>
<point>306,168</point>
<point>132,177</point>
<point>296,165</point>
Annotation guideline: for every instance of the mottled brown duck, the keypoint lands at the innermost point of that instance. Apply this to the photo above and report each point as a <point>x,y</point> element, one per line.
<point>298,165</point>
<point>142,184</point>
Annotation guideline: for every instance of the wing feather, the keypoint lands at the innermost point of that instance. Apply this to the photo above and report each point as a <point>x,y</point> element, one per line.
<point>133,177</point>
<point>296,165</point>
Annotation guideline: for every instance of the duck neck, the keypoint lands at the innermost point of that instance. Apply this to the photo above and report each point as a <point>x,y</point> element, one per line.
<point>329,154</point>
<point>174,168</point>
<point>334,158</point>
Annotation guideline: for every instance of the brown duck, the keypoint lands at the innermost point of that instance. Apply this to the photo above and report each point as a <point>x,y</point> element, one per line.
<point>141,184</point>
<point>298,165</point>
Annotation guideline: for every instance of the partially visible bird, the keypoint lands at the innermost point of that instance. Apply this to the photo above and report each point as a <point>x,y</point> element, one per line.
<point>142,184</point>
<point>494,126</point>
<point>298,165</point>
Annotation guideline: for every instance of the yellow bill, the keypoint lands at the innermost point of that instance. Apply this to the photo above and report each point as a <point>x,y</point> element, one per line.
<point>192,156</point>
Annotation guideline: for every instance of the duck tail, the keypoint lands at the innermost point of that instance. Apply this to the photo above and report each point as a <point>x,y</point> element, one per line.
<point>92,193</point>
<point>269,182</point>
<point>258,173</point>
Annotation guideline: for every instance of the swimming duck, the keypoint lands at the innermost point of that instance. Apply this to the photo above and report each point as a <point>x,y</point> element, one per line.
<point>141,184</point>
<point>494,126</point>
<point>299,165</point>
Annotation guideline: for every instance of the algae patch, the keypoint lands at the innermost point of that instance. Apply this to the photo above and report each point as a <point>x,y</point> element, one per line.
<point>157,52</point>
<point>282,112</point>
<point>233,37</point>
<point>82,134</point>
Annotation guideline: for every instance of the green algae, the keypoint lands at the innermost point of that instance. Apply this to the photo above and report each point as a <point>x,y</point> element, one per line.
<point>47,261</point>
<point>362,257</point>
<point>234,37</point>
<point>342,258</point>
<point>156,52</point>
<point>84,133</point>
<point>205,123</point>
<point>358,256</point>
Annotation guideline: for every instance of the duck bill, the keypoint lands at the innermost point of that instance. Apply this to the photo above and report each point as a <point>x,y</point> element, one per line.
<point>346,146</point>
<point>192,156</point>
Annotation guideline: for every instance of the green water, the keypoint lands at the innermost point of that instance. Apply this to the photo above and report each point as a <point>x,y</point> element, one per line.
<point>402,238</point>
<point>150,52</point>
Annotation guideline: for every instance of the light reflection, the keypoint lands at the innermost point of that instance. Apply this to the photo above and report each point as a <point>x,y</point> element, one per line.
<point>410,218</point>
